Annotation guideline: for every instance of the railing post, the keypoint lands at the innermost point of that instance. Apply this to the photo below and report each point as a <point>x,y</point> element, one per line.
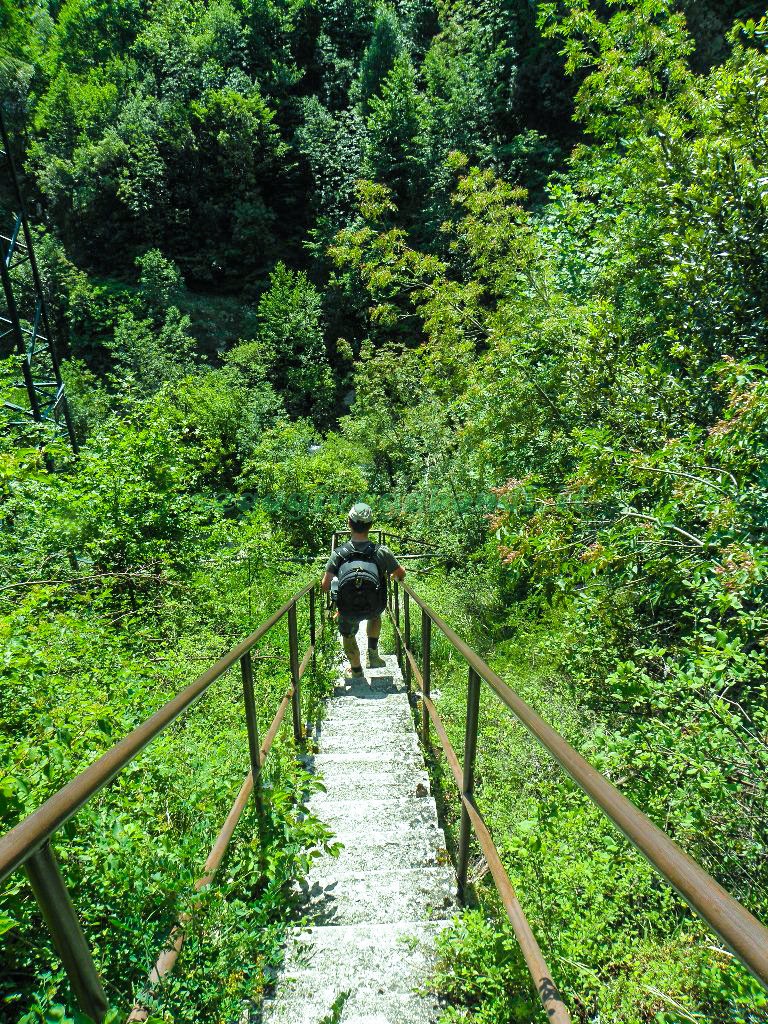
<point>53,899</point>
<point>312,623</point>
<point>470,750</point>
<point>246,669</point>
<point>407,634</point>
<point>426,672</point>
<point>398,651</point>
<point>293,646</point>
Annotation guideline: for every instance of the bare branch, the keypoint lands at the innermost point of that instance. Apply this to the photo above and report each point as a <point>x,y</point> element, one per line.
<point>688,476</point>
<point>632,514</point>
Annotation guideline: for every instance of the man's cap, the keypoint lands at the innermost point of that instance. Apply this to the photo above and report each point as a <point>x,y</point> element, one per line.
<point>361,513</point>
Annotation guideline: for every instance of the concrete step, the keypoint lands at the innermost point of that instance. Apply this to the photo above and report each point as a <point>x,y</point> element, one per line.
<point>360,731</point>
<point>419,847</point>
<point>354,1005</point>
<point>372,767</point>
<point>356,839</point>
<point>376,908</point>
<point>371,744</point>
<point>372,683</point>
<point>352,761</point>
<point>365,954</point>
<point>357,779</point>
<point>372,702</point>
<point>363,715</point>
<point>372,785</point>
<point>375,815</point>
<point>407,894</point>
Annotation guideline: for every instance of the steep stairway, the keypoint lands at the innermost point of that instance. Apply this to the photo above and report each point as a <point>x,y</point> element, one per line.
<point>377,907</point>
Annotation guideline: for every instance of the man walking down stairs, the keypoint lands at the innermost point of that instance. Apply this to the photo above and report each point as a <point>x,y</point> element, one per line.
<point>377,907</point>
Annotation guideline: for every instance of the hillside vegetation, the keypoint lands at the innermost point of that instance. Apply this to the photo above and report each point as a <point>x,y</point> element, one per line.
<point>501,269</point>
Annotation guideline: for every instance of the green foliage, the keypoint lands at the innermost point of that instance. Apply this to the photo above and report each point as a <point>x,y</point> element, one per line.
<point>88,33</point>
<point>243,149</point>
<point>306,482</point>
<point>385,47</point>
<point>159,280</point>
<point>19,49</point>
<point>635,59</point>
<point>149,129</point>
<point>480,969</point>
<point>89,401</point>
<point>150,355</point>
<point>332,145</point>
<point>619,943</point>
<point>122,579</point>
<point>342,29</point>
<point>596,368</point>
<point>291,335</point>
<point>225,413</point>
<point>394,126</point>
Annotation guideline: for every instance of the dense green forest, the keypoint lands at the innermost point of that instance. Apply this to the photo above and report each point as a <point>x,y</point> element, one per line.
<point>499,268</point>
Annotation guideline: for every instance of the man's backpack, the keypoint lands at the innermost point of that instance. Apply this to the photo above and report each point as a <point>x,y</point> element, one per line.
<point>361,593</point>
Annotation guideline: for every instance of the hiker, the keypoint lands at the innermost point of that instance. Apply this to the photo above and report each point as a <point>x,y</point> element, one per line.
<point>356,574</point>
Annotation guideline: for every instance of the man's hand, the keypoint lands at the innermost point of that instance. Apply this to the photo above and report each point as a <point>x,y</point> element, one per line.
<point>399,573</point>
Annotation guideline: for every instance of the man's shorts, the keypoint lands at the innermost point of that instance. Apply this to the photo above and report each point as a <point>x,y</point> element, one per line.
<point>349,626</point>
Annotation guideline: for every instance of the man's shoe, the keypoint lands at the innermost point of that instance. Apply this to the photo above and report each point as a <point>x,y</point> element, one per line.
<point>375,660</point>
<point>356,673</point>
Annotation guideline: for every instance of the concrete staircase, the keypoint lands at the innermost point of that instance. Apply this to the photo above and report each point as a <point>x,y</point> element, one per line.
<point>377,907</point>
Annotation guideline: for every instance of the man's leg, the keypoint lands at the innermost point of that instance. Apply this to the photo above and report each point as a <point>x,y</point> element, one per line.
<point>351,650</point>
<point>348,629</point>
<point>374,659</point>
<point>374,632</point>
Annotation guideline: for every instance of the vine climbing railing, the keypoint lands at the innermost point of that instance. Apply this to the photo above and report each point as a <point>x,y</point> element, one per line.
<point>745,936</point>
<point>28,844</point>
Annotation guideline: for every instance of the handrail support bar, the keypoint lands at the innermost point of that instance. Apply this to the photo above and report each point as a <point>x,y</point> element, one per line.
<point>313,625</point>
<point>426,672</point>
<point>249,698</point>
<point>742,933</point>
<point>21,842</point>
<point>468,784</point>
<point>407,635</point>
<point>55,903</point>
<point>398,643</point>
<point>293,647</point>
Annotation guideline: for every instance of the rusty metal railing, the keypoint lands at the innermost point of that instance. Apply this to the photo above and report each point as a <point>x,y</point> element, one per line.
<point>28,844</point>
<point>744,935</point>
<point>337,535</point>
<point>383,537</point>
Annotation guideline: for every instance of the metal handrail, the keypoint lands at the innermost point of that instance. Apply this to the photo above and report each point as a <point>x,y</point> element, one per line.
<point>28,843</point>
<point>167,959</point>
<point>345,533</point>
<point>557,1012</point>
<point>22,841</point>
<point>742,933</point>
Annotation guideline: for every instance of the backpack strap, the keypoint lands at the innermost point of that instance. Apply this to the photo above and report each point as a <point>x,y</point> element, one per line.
<point>349,552</point>
<point>342,552</point>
